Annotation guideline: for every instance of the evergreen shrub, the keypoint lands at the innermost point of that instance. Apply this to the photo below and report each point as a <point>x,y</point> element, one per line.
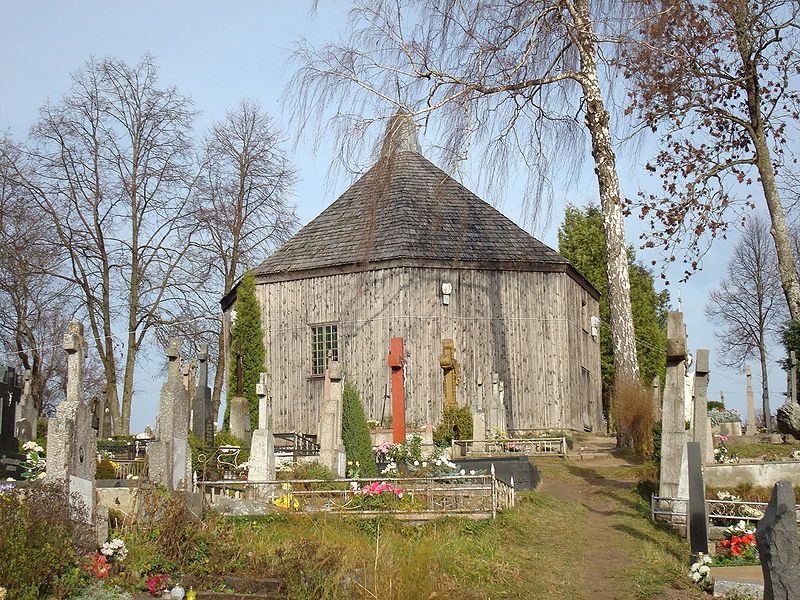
<point>355,432</point>
<point>456,424</point>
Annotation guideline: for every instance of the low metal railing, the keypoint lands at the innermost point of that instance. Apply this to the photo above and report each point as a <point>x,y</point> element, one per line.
<point>545,446</point>
<point>295,445</point>
<point>478,496</point>
<point>720,512</point>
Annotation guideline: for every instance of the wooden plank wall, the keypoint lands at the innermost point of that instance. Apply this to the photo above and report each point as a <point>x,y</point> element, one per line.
<point>524,325</point>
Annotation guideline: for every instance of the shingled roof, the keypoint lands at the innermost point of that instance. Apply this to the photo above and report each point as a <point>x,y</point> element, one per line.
<point>406,208</point>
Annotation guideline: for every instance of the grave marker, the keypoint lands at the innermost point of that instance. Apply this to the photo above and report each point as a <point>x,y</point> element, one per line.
<point>700,431</point>
<point>776,538</point>
<point>752,429</point>
<point>673,437</point>
<point>27,413</point>
<point>10,392</point>
<point>202,409</point>
<point>656,394</point>
<point>169,456</point>
<point>697,517</point>
<point>447,360</point>
<point>262,449</point>
<point>397,361</point>
<point>331,447</point>
<point>239,418</point>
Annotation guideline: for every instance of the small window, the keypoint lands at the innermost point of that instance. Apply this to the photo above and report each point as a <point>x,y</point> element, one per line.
<point>323,338</point>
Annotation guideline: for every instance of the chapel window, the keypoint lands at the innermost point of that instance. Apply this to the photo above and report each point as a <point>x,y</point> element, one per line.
<point>323,339</point>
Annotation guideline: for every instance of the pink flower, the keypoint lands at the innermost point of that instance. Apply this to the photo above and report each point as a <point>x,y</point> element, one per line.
<point>723,438</point>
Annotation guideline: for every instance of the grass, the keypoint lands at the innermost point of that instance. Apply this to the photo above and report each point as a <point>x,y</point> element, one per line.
<point>544,548</point>
<point>763,451</point>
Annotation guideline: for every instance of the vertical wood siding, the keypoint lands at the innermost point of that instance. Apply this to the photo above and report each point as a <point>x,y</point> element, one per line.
<point>530,327</point>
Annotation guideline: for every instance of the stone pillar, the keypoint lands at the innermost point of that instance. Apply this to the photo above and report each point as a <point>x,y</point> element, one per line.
<point>397,361</point>
<point>262,448</point>
<point>752,428</point>
<point>169,457</point>
<point>202,411</point>
<point>331,447</point>
<point>700,432</point>
<point>27,418</point>
<point>673,435</point>
<point>71,440</point>
<point>776,538</point>
<point>656,395</point>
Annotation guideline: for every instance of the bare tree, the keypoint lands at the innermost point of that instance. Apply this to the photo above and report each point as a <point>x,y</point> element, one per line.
<point>243,205</point>
<point>114,175</point>
<point>748,304</point>
<point>513,76</point>
<point>718,77</point>
<point>34,306</point>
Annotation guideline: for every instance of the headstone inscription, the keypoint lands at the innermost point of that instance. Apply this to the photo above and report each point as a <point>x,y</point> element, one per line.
<point>776,538</point>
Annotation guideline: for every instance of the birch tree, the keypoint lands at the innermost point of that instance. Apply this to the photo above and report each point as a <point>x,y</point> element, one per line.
<point>114,176</point>
<point>512,76</point>
<point>718,80</point>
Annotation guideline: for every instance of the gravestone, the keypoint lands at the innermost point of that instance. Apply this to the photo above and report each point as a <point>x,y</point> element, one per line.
<point>202,409</point>
<point>478,427</point>
<point>397,362</point>
<point>752,429</point>
<point>496,415</point>
<point>169,456</point>
<point>10,392</point>
<point>447,361</point>
<point>262,448</point>
<point>674,472</point>
<point>27,413</point>
<point>656,395</point>
<point>71,440</point>
<point>776,538</point>
<point>700,431</point>
<point>331,447</point>
<point>239,417</point>
<point>697,517</point>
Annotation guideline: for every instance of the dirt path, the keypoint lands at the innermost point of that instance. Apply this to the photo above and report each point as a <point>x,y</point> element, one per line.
<point>607,501</point>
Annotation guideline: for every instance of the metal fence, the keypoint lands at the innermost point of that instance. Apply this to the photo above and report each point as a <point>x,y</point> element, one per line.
<point>474,496</point>
<point>295,445</point>
<point>544,446</point>
<point>720,512</point>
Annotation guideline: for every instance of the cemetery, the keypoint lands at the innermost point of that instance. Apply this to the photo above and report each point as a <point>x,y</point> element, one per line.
<point>442,369</point>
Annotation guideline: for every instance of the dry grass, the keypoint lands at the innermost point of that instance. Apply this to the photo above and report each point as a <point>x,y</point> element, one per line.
<point>633,415</point>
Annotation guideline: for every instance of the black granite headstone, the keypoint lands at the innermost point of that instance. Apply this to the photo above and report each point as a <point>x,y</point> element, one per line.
<point>10,392</point>
<point>697,518</point>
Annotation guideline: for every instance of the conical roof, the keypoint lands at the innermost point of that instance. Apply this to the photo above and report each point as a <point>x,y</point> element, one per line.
<point>407,210</point>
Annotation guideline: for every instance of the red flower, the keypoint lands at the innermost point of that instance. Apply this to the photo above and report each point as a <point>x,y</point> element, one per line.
<point>98,565</point>
<point>156,584</point>
<point>736,550</point>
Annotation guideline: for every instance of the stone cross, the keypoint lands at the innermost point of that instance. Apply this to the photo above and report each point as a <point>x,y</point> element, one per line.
<point>75,345</point>
<point>700,432</point>
<point>27,415</point>
<point>752,428</point>
<point>71,440</point>
<point>776,538</point>
<point>656,394</point>
<point>496,415</point>
<point>673,436</point>
<point>331,447</point>
<point>447,361</point>
<point>262,447</point>
<point>397,361</point>
<point>169,456</point>
<point>202,411</point>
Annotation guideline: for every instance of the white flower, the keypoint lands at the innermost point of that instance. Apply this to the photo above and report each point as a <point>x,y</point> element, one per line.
<point>424,464</point>
<point>41,475</point>
<point>462,472</point>
<point>704,569</point>
<point>472,472</point>
<point>416,463</point>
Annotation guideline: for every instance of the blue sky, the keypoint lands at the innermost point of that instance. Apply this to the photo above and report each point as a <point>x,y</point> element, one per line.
<point>220,52</point>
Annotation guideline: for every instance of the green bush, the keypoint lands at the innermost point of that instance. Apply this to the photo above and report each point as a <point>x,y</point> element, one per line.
<point>456,424</point>
<point>39,546</point>
<point>98,591</point>
<point>656,456</point>
<point>355,432</point>
<point>716,405</point>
